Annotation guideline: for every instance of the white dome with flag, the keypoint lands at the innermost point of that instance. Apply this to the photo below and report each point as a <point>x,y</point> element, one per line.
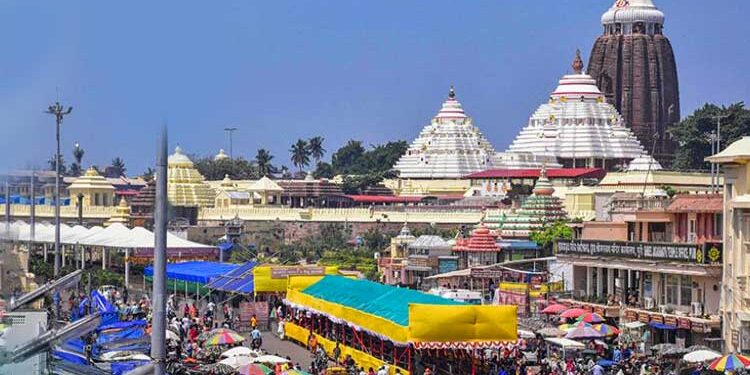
<point>449,147</point>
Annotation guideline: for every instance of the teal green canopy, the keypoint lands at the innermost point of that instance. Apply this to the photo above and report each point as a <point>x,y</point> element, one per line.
<point>384,301</point>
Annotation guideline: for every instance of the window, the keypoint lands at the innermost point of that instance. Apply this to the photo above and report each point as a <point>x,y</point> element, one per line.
<point>671,288</point>
<point>686,290</point>
<point>648,285</point>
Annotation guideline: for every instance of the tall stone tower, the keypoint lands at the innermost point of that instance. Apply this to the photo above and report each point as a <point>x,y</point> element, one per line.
<point>634,66</point>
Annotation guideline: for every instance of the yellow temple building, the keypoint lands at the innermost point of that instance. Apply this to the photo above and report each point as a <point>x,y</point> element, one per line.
<point>121,215</point>
<point>186,186</point>
<point>93,188</point>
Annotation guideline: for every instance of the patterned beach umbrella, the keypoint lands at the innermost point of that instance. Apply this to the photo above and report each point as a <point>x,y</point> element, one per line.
<point>224,337</point>
<point>554,309</point>
<point>607,329</point>
<point>729,362</point>
<point>592,318</point>
<point>583,332</point>
<point>254,369</point>
<point>573,313</point>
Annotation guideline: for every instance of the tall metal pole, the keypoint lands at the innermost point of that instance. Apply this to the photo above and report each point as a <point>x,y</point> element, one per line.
<point>712,139</point>
<point>159,294</point>
<point>231,132</point>
<point>59,112</point>
<point>32,214</point>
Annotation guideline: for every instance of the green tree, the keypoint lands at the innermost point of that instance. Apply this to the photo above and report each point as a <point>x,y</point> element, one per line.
<point>285,172</point>
<point>347,156</point>
<point>148,174</point>
<point>546,238</point>
<point>300,154</point>
<point>118,167</point>
<point>315,146</point>
<point>51,164</point>
<point>263,162</point>
<point>76,167</point>
<point>693,134</point>
<point>323,170</point>
<point>237,168</point>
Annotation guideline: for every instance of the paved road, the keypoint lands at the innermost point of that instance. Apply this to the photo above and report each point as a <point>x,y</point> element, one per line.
<point>274,345</point>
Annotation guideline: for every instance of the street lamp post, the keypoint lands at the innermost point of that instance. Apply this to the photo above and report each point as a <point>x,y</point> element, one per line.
<point>231,132</point>
<point>59,112</point>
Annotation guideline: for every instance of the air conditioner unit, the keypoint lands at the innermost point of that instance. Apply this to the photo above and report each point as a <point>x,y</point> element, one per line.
<point>696,309</point>
<point>648,303</point>
<point>663,309</point>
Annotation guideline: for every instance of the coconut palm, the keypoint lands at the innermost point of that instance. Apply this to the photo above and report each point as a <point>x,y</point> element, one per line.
<point>300,154</point>
<point>263,161</point>
<point>315,146</point>
<point>118,167</point>
<point>76,167</point>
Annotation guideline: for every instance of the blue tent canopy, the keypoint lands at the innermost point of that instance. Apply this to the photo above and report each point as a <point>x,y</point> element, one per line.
<point>239,280</point>
<point>197,272</point>
<point>662,326</point>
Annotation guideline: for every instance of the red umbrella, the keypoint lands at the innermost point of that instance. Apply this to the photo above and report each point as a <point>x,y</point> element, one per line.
<point>573,313</point>
<point>592,318</point>
<point>554,309</point>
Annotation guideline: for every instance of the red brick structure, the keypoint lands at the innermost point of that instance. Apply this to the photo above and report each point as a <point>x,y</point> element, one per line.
<point>634,66</point>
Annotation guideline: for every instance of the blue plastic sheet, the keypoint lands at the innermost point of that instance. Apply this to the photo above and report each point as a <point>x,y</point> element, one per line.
<point>197,272</point>
<point>119,368</point>
<point>69,356</point>
<point>124,334</point>
<point>239,280</point>
<point>127,324</point>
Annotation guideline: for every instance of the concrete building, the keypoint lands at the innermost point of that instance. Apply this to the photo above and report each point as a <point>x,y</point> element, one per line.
<point>735,295</point>
<point>657,261</point>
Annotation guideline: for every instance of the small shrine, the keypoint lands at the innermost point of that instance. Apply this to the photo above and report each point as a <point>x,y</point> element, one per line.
<point>121,215</point>
<point>479,249</point>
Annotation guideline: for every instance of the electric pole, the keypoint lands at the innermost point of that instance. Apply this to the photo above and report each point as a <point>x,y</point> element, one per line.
<point>231,132</point>
<point>159,297</point>
<point>59,112</point>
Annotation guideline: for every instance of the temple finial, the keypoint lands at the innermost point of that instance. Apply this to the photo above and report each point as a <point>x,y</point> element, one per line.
<point>452,93</point>
<point>578,62</point>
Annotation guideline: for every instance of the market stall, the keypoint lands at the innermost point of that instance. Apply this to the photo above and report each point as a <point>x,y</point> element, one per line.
<point>377,324</point>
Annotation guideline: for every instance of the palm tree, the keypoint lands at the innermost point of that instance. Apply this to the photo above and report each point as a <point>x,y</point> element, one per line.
<point>76,167</point>
<point>118,167</point>
<point>315,145</point>
<point>300,154</point>
<point>263,161</point>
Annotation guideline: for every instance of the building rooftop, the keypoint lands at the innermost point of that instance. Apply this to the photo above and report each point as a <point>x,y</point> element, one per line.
<point>737,152</point>
<point>713,203</point>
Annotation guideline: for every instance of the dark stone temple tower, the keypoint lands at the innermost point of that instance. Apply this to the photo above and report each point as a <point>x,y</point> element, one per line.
<point>634,66</point>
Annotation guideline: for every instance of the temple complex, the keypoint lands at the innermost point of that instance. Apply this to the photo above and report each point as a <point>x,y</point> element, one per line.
<point>121,215</point>
<point>577,128</point>
<point>634,65</point>
<point>537,210</point>
<point>450,147</point>
<point>142,206</point>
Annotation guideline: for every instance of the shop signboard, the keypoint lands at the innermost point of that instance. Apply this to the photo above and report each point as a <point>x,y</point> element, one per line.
<point>631,315</point>
<point>692,253</point>
<point>683,323</point>
<point>670,320</point>
<point>643,317</point>
<point>505,297</point>
<point>285,272</point>
<point>447,265</point>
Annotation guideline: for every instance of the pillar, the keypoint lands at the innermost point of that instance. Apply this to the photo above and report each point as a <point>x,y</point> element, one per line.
<point>127,268</point>
<point>44,250</point>
<point>62,255</point>
<point>599,281</point>
<point>611,281</point>
<point>83,256</point>
<point>589,276</point>
<point>104,258</point>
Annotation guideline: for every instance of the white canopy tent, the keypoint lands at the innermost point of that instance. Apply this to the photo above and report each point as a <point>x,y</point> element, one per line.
<point>113,236</point>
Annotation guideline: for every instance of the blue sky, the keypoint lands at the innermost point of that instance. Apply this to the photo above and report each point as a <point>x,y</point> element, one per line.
<point>280,70</point>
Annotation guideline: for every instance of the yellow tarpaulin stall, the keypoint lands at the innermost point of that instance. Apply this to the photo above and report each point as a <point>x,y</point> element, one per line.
<point>275,278</point>
<point>470,323</point>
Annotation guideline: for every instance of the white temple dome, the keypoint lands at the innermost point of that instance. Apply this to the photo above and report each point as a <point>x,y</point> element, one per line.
<point>449,147</point>
<point>632,11</point>
<point>221,155</point>
<point>644,162</point>
<point>178,158</point>
<point>578,127</point>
